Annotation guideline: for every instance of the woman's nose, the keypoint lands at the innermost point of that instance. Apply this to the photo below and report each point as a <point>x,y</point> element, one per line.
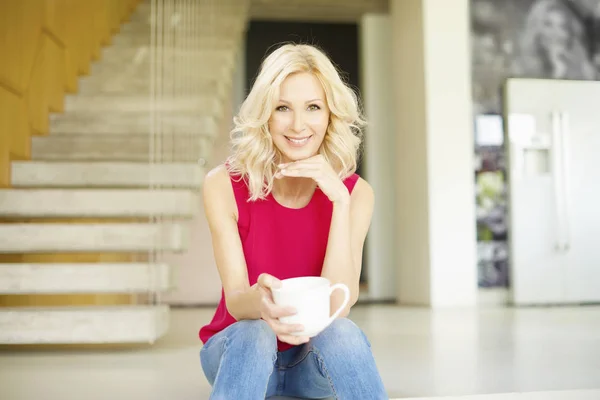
<point>298,124</point>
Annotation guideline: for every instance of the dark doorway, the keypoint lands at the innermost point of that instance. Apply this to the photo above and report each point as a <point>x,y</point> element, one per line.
<point>339,41</point>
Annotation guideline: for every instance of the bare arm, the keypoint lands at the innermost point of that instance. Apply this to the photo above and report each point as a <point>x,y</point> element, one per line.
<point>349,226</point>
<point>243,301</point>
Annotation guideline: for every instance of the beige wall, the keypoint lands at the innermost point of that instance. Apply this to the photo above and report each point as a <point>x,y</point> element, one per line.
<point>197,278</point>
<point>196,272</point>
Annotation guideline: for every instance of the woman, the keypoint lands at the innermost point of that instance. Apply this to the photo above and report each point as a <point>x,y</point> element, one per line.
<point>558,40</point>
<point>287,203</point>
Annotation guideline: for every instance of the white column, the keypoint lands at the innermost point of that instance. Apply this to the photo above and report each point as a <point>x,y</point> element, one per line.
<point>376,72</point>
<point>434,150</point>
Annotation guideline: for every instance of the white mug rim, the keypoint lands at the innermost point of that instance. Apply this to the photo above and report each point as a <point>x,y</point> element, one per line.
<point>325,282</point>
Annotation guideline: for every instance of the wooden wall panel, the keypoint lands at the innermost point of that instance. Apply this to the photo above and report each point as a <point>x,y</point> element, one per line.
<point>45,46</point>
<point>20,143</point>
<point>82,24</point>
<point>97,12</point>
<point>56,15</point>
<point>56,73</point>
<point>30,32</point>
<point>61,300</point>
<point>15,131</point>
<point>5,100</point>
<point>20,31</point>
<point>37,93</point>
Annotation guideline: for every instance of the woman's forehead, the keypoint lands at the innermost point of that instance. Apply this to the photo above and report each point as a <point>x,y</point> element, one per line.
<point>301,85</point>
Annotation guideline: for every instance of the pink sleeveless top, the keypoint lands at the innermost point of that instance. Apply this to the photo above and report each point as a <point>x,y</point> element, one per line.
<point>277,240</point>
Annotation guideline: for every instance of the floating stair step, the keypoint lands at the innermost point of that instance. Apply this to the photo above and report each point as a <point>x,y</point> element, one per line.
<point>206,105</point>
<point>83,325</point>
<point>146,122</point>
<point>97,203</point>
<point>105,174</point>
<point>222,9</point>
<point>54,278</point>
<point>209,21</point>
<point>144,62</point>
<point>92,237</point>
<point>127,83</point>
<point>176,78</point>
<point>125,55</point>
<point>191,148</point>
<point>210,40</point>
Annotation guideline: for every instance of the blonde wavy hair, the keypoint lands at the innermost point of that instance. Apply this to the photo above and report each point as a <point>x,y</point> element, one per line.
<point>254,156</point>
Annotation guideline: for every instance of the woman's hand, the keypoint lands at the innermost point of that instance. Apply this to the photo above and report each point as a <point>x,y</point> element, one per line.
<point>270,312</point>
<point>318,169</point>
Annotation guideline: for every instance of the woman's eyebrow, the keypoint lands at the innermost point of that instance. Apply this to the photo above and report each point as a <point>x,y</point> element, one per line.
<point>308,101</point>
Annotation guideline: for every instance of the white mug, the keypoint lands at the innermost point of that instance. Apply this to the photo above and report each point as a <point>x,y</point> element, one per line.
<point>310,296</point>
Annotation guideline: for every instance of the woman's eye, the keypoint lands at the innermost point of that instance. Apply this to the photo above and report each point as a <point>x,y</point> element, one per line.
<point>312,107</point>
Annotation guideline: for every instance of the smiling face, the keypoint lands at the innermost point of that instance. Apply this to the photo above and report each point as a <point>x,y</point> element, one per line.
<point>300,117</point>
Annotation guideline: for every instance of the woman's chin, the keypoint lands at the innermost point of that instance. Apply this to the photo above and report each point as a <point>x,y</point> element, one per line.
<point>292,156</point>
<point>296,154</point>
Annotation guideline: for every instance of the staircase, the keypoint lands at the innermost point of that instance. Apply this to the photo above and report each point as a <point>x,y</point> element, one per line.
<point>119,173</point>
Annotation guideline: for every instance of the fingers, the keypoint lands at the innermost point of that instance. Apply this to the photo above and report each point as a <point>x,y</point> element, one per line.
<point>272,313</point>
<point>301,168</point>
<point>315,160</point>
<point>313,167</point>
<point>281,328</point>
<point>280,312</point>
<point>268,281</point>
<point>293,340</point>
<point>301,173</point>
<point>285,332</point>
<point>272,310</point>
<point>301,165</point>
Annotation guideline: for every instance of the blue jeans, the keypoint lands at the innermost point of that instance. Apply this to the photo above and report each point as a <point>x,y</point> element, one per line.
<point>242,362</point>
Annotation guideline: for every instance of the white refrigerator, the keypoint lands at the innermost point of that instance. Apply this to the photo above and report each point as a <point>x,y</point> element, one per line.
<point>552,138</point>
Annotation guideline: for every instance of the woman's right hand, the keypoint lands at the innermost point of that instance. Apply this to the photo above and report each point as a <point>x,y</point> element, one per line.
<point>271,312</point>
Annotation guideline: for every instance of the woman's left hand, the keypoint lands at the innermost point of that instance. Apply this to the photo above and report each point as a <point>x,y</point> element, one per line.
<point>318,169</point>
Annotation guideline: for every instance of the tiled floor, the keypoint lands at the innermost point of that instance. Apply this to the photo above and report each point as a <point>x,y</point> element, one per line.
<point>420,353</point>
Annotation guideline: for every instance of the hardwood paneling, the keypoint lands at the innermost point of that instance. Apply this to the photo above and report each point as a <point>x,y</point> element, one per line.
<point>45,45</point>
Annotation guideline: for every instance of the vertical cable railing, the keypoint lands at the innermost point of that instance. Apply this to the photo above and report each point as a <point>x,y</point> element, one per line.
<point>155,128</point>
<point>185,79</point>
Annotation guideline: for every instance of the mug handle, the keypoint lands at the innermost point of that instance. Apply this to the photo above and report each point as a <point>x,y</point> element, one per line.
<point>344,303</point>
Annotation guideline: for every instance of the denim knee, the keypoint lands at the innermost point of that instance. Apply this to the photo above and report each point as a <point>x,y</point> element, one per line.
<point>239,360</point>
<point>342,334</point>
<point>343,355</point>
<point>253,334</point>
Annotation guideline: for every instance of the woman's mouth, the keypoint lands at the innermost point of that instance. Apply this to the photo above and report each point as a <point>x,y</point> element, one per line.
<point>298,142</point>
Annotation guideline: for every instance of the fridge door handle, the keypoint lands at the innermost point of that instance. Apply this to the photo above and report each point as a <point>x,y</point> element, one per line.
<point>565,132</point>
<point>557,178</point>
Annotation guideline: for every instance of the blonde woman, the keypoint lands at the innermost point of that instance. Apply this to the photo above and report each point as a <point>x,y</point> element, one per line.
<point>287,203</point>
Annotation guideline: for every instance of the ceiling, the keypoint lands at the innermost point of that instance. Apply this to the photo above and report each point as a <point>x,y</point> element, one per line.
<point>315,10</point>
